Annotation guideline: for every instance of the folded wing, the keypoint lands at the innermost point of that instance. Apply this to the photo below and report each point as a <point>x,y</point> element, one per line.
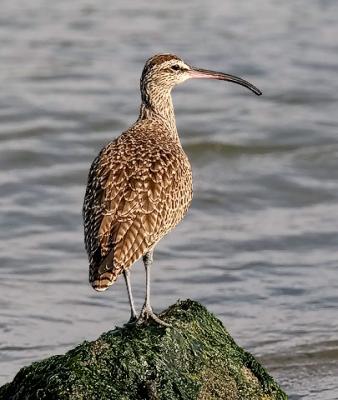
<point>130,204</point>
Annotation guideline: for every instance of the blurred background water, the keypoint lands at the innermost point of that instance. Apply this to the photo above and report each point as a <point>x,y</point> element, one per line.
<point>259,244</point>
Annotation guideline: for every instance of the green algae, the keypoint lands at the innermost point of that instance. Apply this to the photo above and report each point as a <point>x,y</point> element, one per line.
<point>196,358</point>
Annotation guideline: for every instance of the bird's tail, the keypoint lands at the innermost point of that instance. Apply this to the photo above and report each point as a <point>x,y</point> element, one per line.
<point>105,275</point>
<point>103,282</point>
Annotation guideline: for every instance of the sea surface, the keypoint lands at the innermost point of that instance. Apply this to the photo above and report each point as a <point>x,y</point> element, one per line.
<point>259,244</point>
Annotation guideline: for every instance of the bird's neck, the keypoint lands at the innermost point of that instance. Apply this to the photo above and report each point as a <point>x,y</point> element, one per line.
<point>158,105</point>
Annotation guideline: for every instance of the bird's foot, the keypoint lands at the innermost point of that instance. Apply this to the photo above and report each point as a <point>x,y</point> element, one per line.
<point>147,314</point>
<point>132,320</point>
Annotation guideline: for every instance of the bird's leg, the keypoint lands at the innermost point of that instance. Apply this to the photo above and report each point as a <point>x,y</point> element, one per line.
<point>147,313</point>
<point>133,316</point>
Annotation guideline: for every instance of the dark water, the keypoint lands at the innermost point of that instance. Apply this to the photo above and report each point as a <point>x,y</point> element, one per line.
<point>259,245</point>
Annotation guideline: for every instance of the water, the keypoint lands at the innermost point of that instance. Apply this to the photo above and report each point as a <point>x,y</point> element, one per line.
<point>259,245</point>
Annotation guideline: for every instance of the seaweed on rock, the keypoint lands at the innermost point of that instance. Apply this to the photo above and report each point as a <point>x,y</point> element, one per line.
<point>196,358</point>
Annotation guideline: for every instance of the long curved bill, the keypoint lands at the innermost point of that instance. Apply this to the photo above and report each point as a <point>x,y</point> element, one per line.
<point>205,73</point>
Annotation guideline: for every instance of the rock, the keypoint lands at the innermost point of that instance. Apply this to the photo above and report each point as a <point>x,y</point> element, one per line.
<point>196,358</point>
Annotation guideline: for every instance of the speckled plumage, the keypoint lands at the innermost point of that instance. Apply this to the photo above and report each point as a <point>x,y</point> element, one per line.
<point>139,188</point>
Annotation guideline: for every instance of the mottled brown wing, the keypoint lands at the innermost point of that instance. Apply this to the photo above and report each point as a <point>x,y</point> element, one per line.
<point>131,205</point>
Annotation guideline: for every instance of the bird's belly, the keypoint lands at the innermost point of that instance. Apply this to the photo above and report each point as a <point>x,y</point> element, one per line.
<point>178,201</point>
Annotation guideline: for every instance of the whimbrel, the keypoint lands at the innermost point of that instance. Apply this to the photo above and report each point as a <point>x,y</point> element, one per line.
<point>140,184</point>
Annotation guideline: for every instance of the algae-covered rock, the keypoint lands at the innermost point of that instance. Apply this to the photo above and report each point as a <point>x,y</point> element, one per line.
<point>196,358</point>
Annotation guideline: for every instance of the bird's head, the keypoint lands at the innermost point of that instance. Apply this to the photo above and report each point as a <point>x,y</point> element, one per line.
<point>164,71</point>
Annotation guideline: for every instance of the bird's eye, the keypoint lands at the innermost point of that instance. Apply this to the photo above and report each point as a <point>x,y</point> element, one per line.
<point>175,67</point>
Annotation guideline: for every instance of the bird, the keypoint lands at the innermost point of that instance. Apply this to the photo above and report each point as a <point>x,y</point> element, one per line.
<point>140,184</point>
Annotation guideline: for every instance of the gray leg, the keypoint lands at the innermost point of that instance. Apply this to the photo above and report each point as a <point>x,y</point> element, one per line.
<point>133,317</point>
<point>148,261</point>
<point>147,312</point>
